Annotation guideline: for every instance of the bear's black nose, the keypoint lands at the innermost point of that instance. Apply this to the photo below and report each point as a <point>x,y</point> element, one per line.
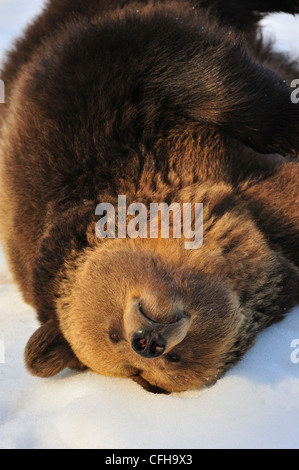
<point>148,343</point>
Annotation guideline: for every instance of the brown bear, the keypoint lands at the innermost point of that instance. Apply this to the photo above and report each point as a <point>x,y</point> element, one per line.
<point>163,102</point>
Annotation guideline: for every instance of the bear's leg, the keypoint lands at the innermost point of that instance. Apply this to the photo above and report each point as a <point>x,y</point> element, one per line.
<point>241,98</point>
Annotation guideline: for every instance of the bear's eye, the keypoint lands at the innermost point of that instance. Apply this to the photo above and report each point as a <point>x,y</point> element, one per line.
<point>173,357</point>
<point>141,309</point>
<point>115,338</point>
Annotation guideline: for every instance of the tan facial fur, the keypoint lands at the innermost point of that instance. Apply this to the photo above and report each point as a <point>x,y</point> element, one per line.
<point>94,304</point>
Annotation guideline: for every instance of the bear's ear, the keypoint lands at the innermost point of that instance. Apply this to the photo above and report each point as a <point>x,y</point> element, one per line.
<point>47,352</point>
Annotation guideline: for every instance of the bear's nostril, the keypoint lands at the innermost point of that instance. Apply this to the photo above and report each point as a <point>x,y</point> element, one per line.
<point>156,349</point>
<point>140,343</point>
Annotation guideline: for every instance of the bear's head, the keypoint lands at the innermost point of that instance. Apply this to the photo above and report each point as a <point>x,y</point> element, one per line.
<point>142,310</point>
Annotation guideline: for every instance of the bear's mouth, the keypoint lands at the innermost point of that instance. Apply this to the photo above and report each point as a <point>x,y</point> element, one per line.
<point>148,386</point>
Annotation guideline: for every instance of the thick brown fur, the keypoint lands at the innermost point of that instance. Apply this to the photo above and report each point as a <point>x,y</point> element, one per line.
<point>161,101</point>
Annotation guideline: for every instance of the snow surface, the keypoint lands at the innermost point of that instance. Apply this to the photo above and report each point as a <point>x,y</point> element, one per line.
<point>256,405</point>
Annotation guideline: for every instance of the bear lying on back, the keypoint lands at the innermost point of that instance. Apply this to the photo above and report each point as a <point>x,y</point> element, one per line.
<point>161,102</point>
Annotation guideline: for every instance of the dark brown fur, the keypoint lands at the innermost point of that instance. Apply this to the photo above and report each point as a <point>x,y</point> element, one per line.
<point>162,101</point>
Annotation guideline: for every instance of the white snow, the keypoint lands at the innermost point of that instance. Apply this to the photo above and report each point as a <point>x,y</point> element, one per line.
<point>256,405</point>
<point>286,29</point>
<point>14,16</point>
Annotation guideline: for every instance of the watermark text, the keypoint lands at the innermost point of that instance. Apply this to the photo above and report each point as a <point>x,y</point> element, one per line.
<point>2,92</point>
<point>295,93</point>
<point>295,353</point>
<point>187,221</point>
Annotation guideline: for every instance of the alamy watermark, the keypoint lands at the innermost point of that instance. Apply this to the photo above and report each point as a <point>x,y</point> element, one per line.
<point>295,353</point>
<point>2,352</point>
<point>295,93</point>
<point>187,221</point>
<point>2,92</point>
